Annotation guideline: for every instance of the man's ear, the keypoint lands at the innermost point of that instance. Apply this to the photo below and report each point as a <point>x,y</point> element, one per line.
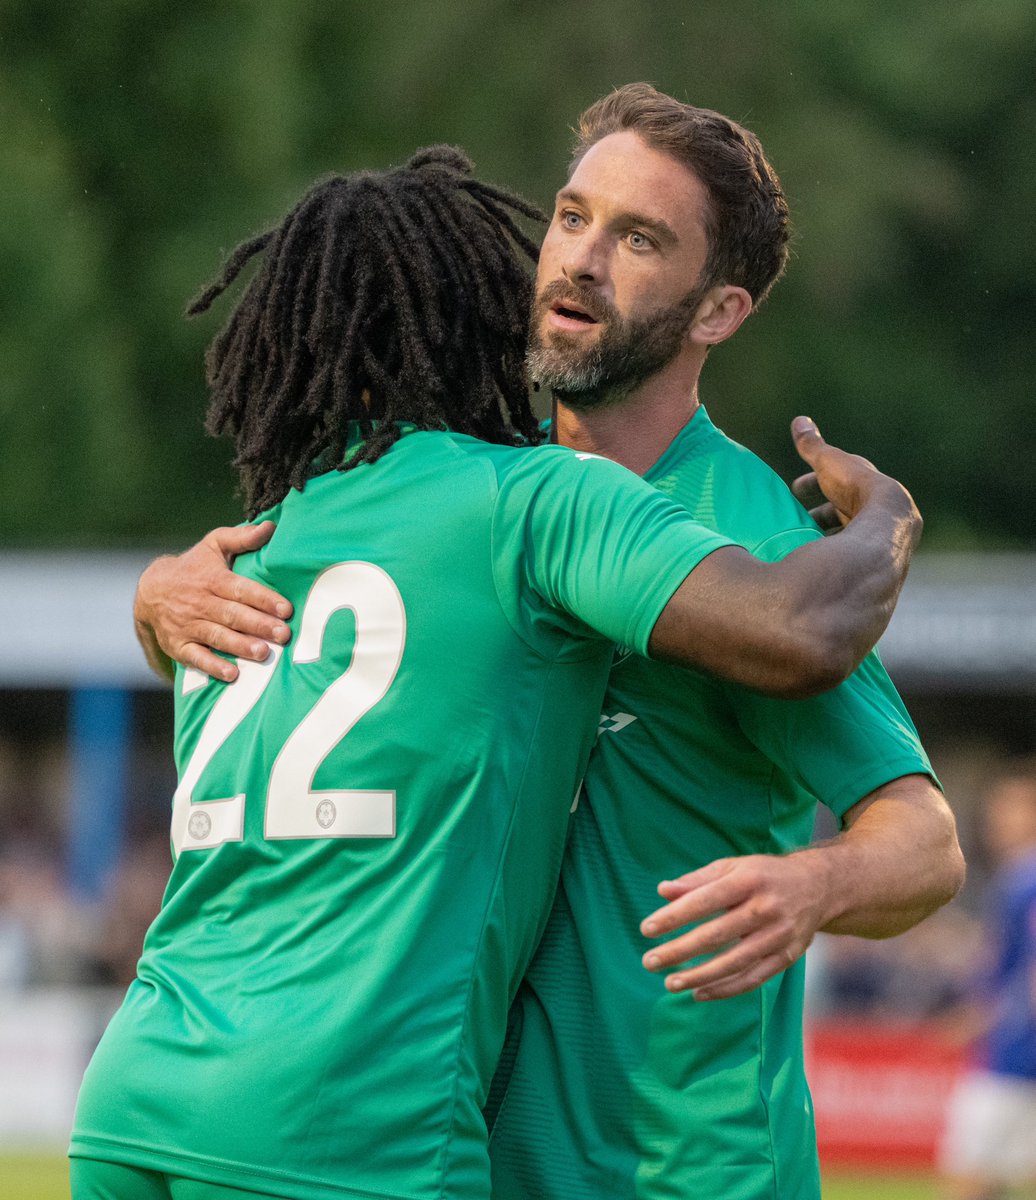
<point>719,315</point>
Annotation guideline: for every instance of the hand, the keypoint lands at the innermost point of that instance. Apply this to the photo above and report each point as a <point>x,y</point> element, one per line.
<point>764,911</point>
<point>840,484</point>
<point>193,604</point>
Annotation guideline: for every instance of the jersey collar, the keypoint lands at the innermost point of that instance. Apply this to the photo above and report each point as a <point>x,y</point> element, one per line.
<point>698,430</point>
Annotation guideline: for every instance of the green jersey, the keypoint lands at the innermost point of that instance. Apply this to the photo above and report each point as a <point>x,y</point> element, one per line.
<point>368,826</point>
<point>619,1088</point>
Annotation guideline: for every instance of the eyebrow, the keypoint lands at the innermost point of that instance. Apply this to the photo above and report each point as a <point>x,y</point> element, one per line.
<point>661,229</point>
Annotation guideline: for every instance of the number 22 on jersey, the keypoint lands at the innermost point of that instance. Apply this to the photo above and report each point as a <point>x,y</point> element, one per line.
<point>292,808</point>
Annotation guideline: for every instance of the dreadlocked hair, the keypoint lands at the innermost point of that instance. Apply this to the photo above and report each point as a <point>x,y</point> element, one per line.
<point>396,296</point>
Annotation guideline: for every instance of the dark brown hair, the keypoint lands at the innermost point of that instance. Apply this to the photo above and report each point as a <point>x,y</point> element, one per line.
<point>747,223</point>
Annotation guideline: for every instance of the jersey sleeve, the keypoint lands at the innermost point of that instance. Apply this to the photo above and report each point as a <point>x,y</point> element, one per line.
<point>583,548</point>
<point>843,744</point>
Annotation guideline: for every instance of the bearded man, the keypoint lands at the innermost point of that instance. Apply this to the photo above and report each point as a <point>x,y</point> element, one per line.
<point>619,1080</point>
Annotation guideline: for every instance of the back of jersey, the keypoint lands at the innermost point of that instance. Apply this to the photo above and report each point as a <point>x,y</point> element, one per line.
<point>368,826</point>
<point>345,915</point>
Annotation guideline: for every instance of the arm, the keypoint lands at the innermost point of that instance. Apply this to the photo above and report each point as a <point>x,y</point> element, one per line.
<point>895,863</point>
<point>190,604</point>
<point>801,625</point>
<point>790,628</point>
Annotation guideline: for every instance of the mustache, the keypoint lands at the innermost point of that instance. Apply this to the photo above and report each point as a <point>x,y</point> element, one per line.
<point>558,291</point>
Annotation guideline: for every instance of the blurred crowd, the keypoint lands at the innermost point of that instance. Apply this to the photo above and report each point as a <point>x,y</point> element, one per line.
<point>49,934</point>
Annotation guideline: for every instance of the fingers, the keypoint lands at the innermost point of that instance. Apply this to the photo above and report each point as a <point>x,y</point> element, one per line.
<point>228,542</point>
<point>742,955</point>
<point>195,655</point>
<point>695,896</point>
<point>758,912</point>
<point>206,639</point>
<point>247,606</point>
<point>195,614</point>
<point>735,983</point>
<point>226,639</point>
<point>806,489</point>
<point>810,445</point>
<point>829,518</point>
<point>245,618</point>
<point>735,923</point>
<point>196,624</point>
<point>704,939</point>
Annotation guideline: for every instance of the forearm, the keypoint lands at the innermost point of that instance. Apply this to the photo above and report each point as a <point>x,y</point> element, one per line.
<point>842,591</point>
<point>752,916</point>
<point>897,861</point>
<point>801,625</point>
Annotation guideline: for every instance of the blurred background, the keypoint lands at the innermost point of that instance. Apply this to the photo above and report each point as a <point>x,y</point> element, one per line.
<point>143,141</point>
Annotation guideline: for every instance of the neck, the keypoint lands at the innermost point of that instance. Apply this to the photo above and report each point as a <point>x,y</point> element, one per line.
<point>634,431</point>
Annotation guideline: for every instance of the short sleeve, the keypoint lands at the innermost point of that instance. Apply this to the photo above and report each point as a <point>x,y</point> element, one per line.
<point>840,745</point>
<point>843,744</point>
<point>583,548</point>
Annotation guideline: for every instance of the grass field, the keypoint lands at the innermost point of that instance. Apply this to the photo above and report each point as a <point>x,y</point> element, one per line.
<point>33,1177</point>
<point>879,1187</point>
<point>46,1178</point>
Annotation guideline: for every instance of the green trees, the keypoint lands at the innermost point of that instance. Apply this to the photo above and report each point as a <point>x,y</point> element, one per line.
<point>141,142</point>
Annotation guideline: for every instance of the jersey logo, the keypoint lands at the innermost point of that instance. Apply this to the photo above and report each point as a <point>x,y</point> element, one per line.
<point>199,826</point>
<point>620,654</point>
<point>614,724</point>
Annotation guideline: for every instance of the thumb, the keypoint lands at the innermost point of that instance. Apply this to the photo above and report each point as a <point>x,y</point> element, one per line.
<point>232,540</point>
<point>808,441</point>
<point>255,536</point>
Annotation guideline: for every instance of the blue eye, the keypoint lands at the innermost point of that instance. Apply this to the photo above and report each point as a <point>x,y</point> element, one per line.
<point>638,240</point>
<point>571,220</point>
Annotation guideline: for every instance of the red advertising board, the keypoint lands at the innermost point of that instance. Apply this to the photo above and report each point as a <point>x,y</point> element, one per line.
<point>880,1093</point>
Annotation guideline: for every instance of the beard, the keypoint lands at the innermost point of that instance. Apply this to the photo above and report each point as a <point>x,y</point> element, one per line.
<point>627,352</point>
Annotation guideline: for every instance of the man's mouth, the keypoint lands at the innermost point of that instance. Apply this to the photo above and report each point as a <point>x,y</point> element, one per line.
<point>566,315</point>
<point>572,312</point>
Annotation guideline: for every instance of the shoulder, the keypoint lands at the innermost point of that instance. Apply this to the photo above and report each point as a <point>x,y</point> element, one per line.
<point>566,475</point>
<point>449,463</point>
<point>730,489</point>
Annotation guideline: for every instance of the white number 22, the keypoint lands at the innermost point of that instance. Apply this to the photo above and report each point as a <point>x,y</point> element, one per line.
<point>293,808</point>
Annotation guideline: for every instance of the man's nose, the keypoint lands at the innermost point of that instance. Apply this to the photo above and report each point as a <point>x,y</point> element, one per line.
<point>585,261</point>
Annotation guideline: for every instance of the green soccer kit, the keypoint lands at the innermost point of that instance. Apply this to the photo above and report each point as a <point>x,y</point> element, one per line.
<point>368,826</point>
<point>618,1088</point>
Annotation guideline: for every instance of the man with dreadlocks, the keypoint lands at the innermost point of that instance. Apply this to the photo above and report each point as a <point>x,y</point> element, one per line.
<point>348,324</point>
<point>368,827</point>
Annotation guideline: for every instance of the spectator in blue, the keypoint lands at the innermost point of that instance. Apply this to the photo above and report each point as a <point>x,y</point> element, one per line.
<point>989,1143</point>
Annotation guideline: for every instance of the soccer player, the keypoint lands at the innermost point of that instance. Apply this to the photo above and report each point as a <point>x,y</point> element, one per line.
<point>623,1085</point>
<point>368,825</point>
<point>988,1147</point>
